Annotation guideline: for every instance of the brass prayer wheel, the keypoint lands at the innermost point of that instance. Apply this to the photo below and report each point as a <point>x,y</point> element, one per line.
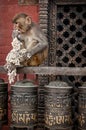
<point>24,105</point>
<point>82,107</point>
<point>58,108</point>
<point>3,102</point>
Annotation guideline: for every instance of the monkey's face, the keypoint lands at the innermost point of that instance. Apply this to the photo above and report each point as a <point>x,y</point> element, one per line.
<point>22,25</point>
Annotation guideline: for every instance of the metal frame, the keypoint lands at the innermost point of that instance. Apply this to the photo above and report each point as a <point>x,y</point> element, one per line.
<point>48,70</point>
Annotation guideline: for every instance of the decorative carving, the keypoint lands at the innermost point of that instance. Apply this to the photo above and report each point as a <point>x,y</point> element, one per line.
<point>43,16</point>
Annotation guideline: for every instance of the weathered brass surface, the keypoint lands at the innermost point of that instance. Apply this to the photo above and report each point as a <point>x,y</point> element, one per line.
<point>24,104</point>
<point>58,108</point>
<point>82,107</point>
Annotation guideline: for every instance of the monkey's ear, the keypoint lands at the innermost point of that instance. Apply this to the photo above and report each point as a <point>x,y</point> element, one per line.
<point>28,20</point>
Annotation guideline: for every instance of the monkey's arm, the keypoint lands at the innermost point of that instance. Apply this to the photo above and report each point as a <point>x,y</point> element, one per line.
<point>41,45</point>
<point>38,48</point>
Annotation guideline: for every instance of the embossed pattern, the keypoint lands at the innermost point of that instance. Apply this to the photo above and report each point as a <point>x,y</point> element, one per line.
<point>58,106</point>
<point>24,107</point>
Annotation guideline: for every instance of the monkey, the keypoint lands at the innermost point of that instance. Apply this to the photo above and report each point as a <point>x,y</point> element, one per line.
<point>33,38</point>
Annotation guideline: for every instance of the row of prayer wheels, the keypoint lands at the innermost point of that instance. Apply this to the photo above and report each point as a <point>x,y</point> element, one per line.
<point>58,112</point>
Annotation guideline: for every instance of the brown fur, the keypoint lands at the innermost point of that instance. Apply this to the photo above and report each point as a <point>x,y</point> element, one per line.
<point>36,59</point>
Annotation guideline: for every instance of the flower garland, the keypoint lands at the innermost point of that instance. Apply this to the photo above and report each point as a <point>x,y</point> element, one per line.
<point>14,58</point>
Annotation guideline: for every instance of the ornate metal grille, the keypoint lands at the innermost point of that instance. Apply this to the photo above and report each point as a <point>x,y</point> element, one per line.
<point>71,39</point>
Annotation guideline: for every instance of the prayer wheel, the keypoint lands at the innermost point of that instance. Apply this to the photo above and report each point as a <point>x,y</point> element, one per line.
<point>3,102</point>
<point>58,108</point>
<point>82,108</point>
<point>24,105</point>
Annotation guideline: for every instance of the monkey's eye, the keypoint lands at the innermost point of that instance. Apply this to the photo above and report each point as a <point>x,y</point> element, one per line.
<point>16,22</point>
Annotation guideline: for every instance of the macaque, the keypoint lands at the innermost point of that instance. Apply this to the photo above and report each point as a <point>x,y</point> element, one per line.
<point>33,39</point>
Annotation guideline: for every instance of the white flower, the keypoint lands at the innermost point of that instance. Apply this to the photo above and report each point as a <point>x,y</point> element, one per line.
<point>12,76</point>
<point>16,44</point>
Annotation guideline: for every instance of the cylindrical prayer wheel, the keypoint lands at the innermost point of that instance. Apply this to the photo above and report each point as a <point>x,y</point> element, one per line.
<point>58,108</point>
<point>82,108</point>
<point>3,102</point>
<point>24,105</point>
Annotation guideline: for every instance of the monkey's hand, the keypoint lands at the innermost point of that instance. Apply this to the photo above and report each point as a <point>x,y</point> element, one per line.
<point>28,55</point>
<point>15,33</point>
<point>24,55</point>
<point>20,37</point>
